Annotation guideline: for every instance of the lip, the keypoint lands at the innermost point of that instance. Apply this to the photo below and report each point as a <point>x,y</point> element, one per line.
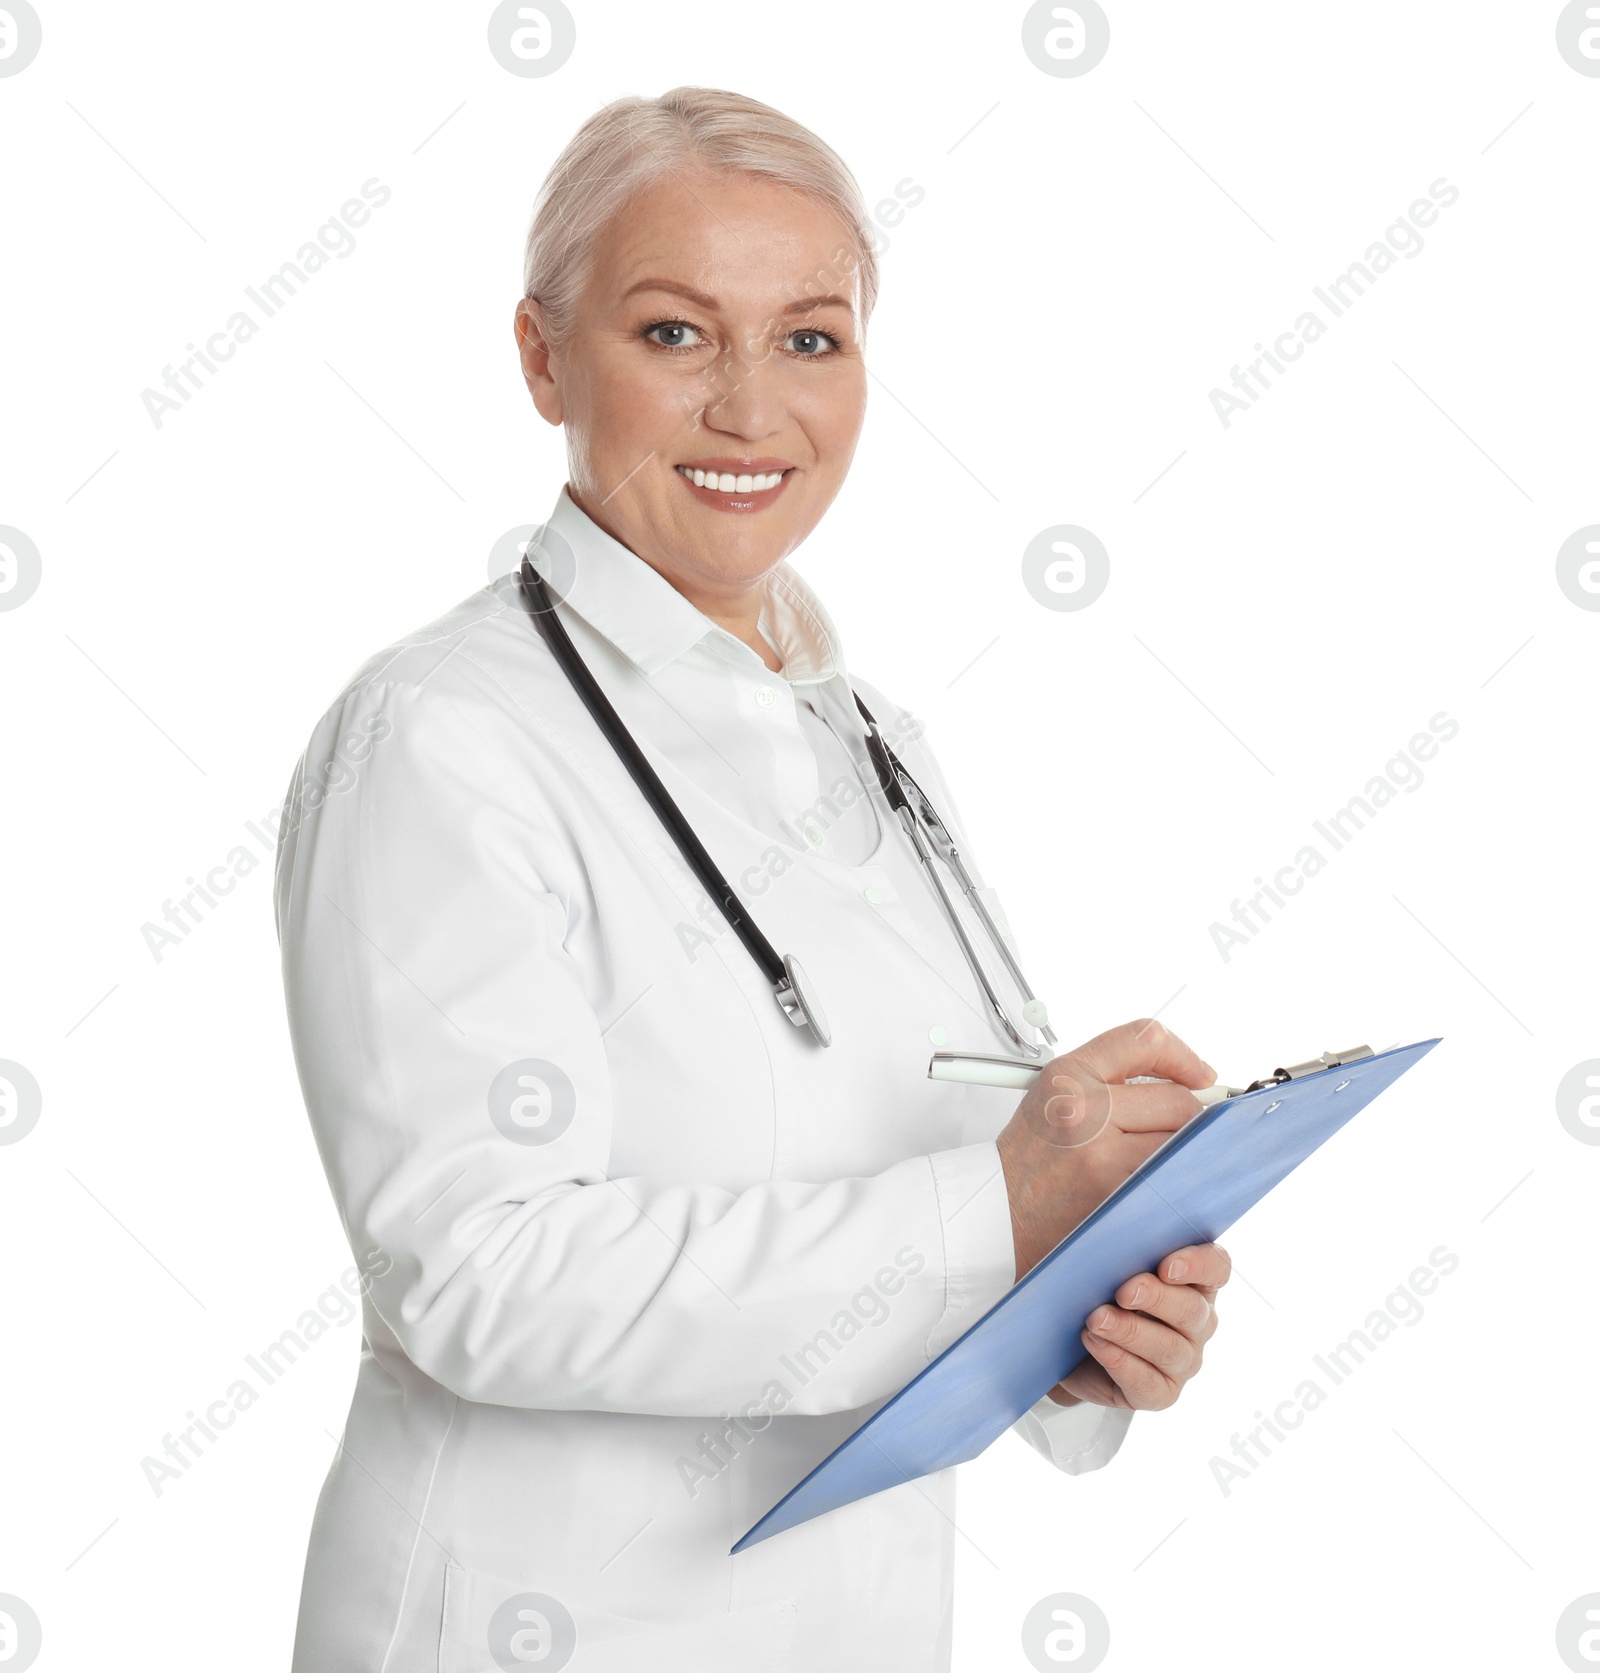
<point>737,504</point>
<point>728,462</point>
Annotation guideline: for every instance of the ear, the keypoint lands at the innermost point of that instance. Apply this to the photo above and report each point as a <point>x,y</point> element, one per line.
<point>534,347</point>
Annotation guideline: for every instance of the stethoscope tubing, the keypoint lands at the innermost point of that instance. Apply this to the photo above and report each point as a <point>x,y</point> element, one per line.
<point>904,795</point>
<point>644,775</point>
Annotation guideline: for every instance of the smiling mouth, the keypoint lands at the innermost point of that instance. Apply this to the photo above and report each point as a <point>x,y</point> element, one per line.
<point>730,484</point>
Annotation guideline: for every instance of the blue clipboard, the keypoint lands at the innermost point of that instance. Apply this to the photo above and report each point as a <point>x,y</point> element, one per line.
<point>1193,1188</point>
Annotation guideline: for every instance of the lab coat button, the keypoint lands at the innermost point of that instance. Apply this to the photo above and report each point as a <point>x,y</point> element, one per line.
<point>766,696</point>
<point>874,894</point>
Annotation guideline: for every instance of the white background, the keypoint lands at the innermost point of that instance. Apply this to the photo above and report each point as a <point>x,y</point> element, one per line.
<point>1372,544</point>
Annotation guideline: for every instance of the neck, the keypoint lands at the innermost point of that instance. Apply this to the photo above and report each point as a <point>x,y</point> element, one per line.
<point>742,625</point>
<point>733,606</point>
<point>737,609</point>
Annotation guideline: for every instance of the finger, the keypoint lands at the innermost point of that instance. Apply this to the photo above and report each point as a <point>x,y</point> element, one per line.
<point>1155,1107</point>
<point>1078,1106</point>
<point>1206,1266</point>
<point>1093,1384</point>
<point>1182,1306</point>
<point>1145,1047</point>
<point>1169,1350</point>
<point>1141,1385</point>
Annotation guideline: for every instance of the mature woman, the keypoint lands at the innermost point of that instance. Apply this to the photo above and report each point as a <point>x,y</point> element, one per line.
<point>638,1250</point>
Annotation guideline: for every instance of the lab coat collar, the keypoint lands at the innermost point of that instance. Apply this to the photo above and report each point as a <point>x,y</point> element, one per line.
<point>619,595</point>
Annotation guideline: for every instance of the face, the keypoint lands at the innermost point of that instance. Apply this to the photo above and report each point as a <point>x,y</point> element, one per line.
<point>720,333</point>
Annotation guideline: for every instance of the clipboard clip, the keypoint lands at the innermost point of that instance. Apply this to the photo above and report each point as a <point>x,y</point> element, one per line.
<point>1312,1066</point>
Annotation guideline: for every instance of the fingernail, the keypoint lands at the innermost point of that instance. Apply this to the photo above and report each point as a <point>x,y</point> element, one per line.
<point>1137,1297</point>
<point>1177,1270</point>
<point>1103,1320</point>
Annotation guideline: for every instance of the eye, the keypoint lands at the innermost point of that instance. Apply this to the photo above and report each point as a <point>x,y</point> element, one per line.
<point>676,334</point>
<point>811,344</point>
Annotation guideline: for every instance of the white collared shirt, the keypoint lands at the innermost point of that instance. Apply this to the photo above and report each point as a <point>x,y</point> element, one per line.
<point>641,1253</point>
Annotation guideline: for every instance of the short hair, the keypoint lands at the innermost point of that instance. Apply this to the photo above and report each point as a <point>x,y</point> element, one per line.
<point>632,142</point>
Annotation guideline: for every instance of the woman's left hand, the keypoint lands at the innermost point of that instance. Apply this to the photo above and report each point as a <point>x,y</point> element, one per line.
<point>1144,1349</point>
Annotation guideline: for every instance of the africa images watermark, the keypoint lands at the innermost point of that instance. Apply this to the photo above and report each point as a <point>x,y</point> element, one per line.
<point>1400,772</point>
<point>869,1307</point>
<point>1402,1306</point>
<point>335,238</point>
<point>335,1306</point>
<point>1402,238</point>
<point>337,774</point>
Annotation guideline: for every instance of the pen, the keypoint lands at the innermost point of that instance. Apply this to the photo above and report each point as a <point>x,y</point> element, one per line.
<point>979,1068</point>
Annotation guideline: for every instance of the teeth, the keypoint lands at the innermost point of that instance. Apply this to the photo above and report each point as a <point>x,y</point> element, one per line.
<point>727,483</point>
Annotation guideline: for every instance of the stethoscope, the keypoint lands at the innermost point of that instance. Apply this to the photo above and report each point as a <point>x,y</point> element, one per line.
<point>916,813</point>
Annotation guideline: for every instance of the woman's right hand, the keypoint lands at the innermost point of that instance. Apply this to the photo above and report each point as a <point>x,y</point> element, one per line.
<point>1080,1130</point>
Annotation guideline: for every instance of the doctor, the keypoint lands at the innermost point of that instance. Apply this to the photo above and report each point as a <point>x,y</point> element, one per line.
<point>639,1250</point>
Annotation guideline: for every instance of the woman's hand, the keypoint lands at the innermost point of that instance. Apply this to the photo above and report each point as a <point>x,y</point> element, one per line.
<point>1076,1136</point>
<point>1080,1130</point>
<point>1145,1348</point>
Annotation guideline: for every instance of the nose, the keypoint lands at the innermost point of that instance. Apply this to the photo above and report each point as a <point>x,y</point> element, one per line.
<point>744,397</point>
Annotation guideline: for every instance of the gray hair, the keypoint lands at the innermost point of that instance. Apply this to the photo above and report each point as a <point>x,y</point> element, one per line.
<point>630,143</point>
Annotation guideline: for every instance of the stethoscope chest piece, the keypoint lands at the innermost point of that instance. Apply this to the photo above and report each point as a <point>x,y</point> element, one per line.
<point>799,1001</point>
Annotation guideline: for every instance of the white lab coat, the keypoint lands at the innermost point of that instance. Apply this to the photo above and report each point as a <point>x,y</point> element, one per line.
<point>641,1253</point>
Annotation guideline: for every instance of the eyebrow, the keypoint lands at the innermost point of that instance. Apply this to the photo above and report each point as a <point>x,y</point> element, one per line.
<point>802,305</point>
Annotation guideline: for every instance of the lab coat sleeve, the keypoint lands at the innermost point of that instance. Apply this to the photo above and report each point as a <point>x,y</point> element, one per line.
<point>423,960</point>
<point>1075,1439</point>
